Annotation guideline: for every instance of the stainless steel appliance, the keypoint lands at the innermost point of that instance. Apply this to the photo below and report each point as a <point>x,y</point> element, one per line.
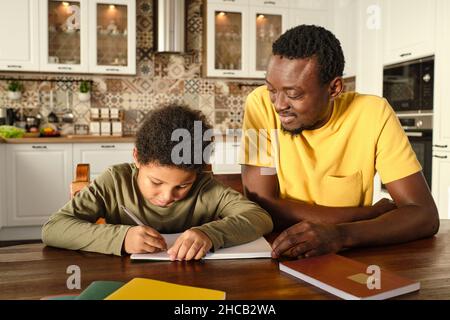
<point>408,86</point>
<point>419,129</point>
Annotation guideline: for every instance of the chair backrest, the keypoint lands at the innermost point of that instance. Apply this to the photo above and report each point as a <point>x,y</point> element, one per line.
<point>82,179</point>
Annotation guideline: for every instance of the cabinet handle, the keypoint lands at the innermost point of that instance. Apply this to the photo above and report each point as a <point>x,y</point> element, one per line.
<point>228,72</point>
<point>15,66</point>
<point>39,147</point>
<point>112,69</point>
<point>270,2</point>
<point>229,0</point>
<point>440,146</point>
<point>108,146</point>
<point>236,145</point>
<point>440,157</point>
<point>64,68</point>
<point>405,54</point>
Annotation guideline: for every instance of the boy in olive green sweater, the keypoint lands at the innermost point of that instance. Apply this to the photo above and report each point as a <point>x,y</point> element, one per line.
<point>167,193</point>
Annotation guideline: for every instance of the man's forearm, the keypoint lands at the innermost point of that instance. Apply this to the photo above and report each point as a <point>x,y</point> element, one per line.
<point>286,212</point>
<point>400,225</point>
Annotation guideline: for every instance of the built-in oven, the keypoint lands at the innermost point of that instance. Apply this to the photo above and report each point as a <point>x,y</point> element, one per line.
<point>419,129</point>
<point>408,86</point>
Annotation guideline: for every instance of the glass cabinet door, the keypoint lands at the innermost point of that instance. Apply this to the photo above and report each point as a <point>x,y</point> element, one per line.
<point>113,47</point>
<point>64,36</point>
<point>267,26</point>
<point>227,51</point>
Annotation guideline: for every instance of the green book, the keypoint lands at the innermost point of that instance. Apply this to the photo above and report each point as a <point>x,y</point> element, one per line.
<point>99,290</point>
<point>61,297</point>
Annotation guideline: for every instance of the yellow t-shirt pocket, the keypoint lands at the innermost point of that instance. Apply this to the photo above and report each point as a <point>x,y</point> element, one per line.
<point>341,191</point>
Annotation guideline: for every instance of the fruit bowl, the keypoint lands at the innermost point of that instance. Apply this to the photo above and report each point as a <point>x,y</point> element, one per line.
<point>49,130</point>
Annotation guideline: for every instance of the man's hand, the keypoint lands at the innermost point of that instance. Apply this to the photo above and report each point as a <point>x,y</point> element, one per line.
<point>142,239</point>
<point>307,239</point>
<point>192,244</point>
<point>384,205</point>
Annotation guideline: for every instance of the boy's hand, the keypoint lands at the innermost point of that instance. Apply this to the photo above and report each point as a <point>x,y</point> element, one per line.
<point>192,244</point>
<point>142,239</point>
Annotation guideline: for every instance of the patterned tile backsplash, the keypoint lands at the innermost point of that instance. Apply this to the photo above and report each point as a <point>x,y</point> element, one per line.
<point>159,79</point>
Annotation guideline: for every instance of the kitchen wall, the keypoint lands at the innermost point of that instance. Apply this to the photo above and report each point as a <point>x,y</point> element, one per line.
<point>160,79</point>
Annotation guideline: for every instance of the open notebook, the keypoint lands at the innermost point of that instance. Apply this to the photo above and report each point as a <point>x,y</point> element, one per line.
<point>259,248</point>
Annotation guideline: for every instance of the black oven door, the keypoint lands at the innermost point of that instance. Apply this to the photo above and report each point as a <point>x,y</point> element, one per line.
<point>421,142</point>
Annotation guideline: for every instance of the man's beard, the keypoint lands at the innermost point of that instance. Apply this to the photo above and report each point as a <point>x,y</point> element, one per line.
<point>298,131</point>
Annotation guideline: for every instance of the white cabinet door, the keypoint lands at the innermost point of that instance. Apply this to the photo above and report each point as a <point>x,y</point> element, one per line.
<point>64,35</point>
<point>2,185</point>
<point>307,16</point>
<point>441,183</point>
<point>345,29</point>
<point>19,34</point>
<point>369,75</point>
<point>112,36</point>
<point>441,117</point>
<point>409,29</point>
<point>225,159</point>
<point>39,178</point>
<point>271,3</point>
<point>102,155</point>
<point>266,25</point>
<point>228,39</point>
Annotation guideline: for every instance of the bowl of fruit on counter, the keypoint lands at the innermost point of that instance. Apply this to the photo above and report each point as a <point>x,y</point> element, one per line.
<point>49,130</point>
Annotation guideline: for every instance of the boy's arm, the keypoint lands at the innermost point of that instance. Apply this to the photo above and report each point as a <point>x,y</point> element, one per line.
<point>240,220</point>
<point>73,226</point>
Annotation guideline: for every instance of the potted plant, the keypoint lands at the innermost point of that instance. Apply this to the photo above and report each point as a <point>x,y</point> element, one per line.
<point>15,90</point>
<point>85,91</point>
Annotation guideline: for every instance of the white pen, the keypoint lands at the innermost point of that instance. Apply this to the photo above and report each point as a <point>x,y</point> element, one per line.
<point>132,216</point>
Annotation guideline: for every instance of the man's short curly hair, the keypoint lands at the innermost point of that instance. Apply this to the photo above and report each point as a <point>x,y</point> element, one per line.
<point>306,41</point>
<point>154,138</point>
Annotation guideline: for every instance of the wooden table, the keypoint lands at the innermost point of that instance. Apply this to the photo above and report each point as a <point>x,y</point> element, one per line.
<point>32,271</point>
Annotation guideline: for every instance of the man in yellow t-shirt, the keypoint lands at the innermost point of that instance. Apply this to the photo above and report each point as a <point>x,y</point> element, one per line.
<point>310,153</point>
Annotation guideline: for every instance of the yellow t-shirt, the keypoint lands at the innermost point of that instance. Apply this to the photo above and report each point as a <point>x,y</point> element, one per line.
<point>335,164</point>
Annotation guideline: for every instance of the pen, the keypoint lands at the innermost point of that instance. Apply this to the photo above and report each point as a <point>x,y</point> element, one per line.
<point>132,216</point>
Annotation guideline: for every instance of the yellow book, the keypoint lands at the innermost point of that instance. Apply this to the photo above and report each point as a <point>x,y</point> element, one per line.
<point>148,289</point>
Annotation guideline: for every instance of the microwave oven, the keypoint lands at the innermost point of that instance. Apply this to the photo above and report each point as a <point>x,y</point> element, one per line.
<point>409,86</point>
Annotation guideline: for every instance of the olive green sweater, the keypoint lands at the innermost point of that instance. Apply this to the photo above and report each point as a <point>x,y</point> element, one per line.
<point>223,214</point>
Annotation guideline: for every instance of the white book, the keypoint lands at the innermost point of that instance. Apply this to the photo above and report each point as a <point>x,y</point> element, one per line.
<point>259,248</point>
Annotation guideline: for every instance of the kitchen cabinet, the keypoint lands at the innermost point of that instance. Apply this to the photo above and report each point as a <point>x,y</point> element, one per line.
<point>441,183</point>
<point>112,41</point>
<point>441,116</point>
<point>369,55</point>
<point>64,36</point>
<point>78,36</point>
<point>102,155</point>
<point>2,185</point>
<point>38,178</point>
<point>240,36</point>
<point>267,24</point>
<point>225,159</point>
<point>227,42</point>
<point>409,29</point>
<point>345,27</point>
<point>19,25</point>
<point>311,12</point>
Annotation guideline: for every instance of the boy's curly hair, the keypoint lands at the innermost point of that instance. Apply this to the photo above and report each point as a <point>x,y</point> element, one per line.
<point>305,41</point>
<point>154,138</point>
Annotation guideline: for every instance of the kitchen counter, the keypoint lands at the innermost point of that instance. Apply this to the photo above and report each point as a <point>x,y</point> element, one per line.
<point>70,139</point>
<point>98,139</point>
